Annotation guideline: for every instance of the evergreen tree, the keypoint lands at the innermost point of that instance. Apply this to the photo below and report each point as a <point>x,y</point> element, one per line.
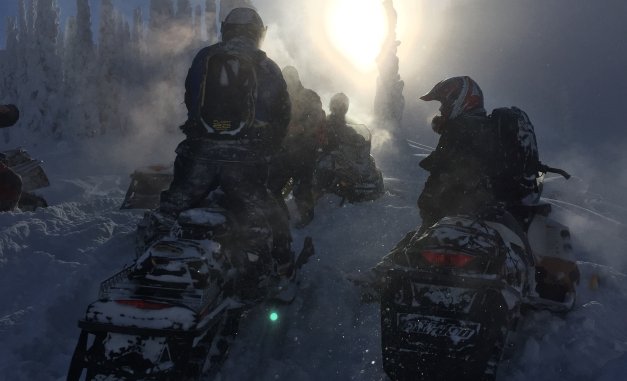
<point>8,68</point>
<point>137,48</point>
<point>106,56</point>
<point>389,101</point>
<point>80,89</point>
<point>44,78</point>
<point>161,14</point>
<point>197,26</point>
<point>9,63</point>
<point>183,11</point>
<point>211,21</point>
<point>227,6</point>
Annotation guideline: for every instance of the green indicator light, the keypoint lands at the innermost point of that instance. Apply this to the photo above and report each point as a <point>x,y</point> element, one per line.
<point>274,316</point>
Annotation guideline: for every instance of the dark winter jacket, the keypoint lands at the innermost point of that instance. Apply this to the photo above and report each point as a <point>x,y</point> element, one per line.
<point>306,124</point>
<point>467,148</point>
<point>273,104</point>
<point>462,169</point>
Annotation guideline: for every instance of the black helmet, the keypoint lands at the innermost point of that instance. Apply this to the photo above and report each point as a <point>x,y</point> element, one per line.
<point>243,22</point>
<point>339,104</point>
<point>458,95</point>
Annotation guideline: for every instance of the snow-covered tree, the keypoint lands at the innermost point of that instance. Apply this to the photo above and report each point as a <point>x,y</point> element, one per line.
<point>80,87</point>
<point>161,14</point>
<point>183,11</point>
<point>44,76</point>
<point>197,25</point>
<point>9,62</point>
<point>389,101</point>
<point>211,21</point>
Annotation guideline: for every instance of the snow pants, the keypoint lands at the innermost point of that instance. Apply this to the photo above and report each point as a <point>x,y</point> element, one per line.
<point>244,193</point>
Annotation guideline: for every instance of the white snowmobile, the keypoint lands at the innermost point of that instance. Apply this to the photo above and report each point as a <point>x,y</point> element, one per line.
<point>452,294</point>
<point>350,171</point>
<point>172,314</point>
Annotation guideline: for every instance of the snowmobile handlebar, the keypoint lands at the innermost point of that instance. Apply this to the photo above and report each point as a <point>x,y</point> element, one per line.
<point>546,169</point>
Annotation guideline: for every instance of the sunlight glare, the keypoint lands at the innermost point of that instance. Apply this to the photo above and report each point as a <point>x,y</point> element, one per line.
<point>357,29</point>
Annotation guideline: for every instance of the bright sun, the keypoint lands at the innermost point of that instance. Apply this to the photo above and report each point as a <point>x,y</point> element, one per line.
<point>357,29</point>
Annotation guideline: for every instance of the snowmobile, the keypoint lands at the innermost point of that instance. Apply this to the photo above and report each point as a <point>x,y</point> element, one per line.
<point>32,174</point>
<point>146,186</point>
<point>172,314</point>
<point>452,295</point>
<point>350,171</point>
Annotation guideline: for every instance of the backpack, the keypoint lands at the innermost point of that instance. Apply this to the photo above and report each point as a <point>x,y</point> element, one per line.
<point>517,153</point>
<point>228,94</point>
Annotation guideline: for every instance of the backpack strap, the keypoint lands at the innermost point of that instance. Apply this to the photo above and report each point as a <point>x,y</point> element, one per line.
<point>546,169</point>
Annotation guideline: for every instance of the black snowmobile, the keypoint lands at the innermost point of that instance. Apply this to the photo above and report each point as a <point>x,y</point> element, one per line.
<point>172,314</point>
<point>452,294</point>
<point>32,174</point>
<point>350,171</point>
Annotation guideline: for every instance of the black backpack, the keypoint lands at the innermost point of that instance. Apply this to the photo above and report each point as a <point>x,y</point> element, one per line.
<point>517,152</point>
<point>228,94</point>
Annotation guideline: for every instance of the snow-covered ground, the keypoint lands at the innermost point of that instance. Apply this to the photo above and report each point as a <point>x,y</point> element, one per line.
<point>52,260</point>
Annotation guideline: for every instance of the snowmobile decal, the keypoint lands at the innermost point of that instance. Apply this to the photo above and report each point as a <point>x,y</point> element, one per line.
<point>456,330</point>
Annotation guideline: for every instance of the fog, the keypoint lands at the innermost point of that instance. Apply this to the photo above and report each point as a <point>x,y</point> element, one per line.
<point>563,62</point>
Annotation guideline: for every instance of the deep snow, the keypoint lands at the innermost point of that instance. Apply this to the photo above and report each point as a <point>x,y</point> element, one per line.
<point>52,260</point>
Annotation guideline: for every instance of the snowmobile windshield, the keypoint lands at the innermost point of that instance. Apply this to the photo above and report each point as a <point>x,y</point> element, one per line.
<point>362,130</point>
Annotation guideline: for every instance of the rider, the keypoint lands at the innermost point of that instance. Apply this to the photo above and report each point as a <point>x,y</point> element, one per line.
<point>237,163</point>
<point>338,133</point>
<point>297,158</point>
<point>342,146</point>
<point>469,167</point>
<point>10,182</point>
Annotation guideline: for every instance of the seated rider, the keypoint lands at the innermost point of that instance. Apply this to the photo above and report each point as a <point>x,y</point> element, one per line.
<point>470,167</point>
<point>235,161</point>
<point>297,158</point>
